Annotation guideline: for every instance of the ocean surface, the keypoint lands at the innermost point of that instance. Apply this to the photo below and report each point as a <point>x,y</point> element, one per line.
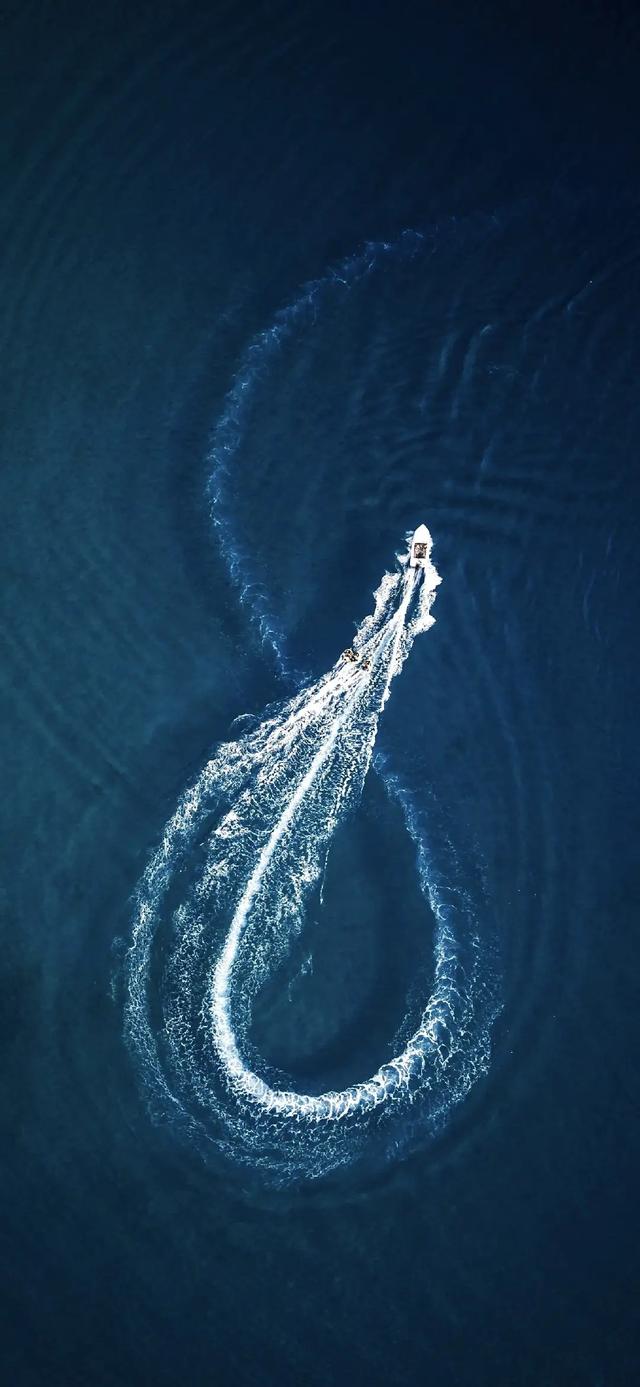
<point>319,983</point>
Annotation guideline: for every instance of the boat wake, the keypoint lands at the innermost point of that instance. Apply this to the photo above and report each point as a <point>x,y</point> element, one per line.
<point>224,896</point>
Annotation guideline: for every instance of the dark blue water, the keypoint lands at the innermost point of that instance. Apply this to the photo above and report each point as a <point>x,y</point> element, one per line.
<point>278,283</point>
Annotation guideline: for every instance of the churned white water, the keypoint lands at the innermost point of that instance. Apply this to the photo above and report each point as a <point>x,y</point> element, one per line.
<point>224,896</point>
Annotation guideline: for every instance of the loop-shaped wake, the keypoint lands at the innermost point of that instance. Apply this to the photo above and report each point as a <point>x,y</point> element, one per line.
<point>225,894</point>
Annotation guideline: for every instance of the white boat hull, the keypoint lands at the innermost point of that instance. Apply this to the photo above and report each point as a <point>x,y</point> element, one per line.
<point>420,548</point>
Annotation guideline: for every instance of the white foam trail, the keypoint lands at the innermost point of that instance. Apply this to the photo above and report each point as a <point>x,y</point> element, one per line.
<point>246,844</point>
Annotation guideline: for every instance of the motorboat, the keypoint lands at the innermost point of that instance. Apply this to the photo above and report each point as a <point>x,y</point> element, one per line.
<point>420,548</point>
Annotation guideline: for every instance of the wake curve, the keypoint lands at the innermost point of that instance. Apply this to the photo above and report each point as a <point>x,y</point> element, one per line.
<point>226,892</point>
